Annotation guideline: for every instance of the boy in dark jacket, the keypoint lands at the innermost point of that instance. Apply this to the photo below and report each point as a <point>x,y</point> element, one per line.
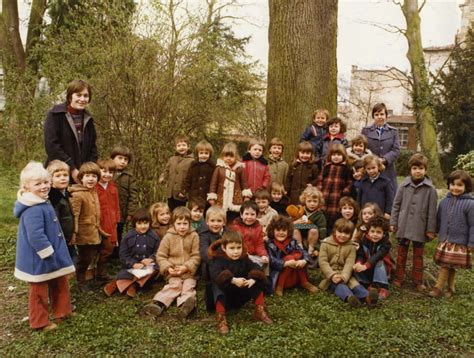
<point>316,131</point>
<point>235,279</point>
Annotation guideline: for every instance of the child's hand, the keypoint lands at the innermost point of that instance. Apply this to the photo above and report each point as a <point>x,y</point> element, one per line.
<point>265,259</point>
<point>393,228</point>
<point>430,235</point>
<point>250,282</point>
<point>74,175</point>
<point>336,279</point>
<point>289,263</point>
<point>137,266</point>
<point>73,240</point>
<point>181,269</point>
<point>147,262</point>
<point>386,216</point>
<point>315,253</point>
<point>238,281</point>
<point>246,198</point>
<point>172,272</point>
<point>301,263</point>
<point>358,267</point>
<point>181,196</point>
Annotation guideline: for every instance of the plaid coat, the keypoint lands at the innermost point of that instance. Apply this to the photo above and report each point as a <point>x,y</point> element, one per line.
<point>335,181</point>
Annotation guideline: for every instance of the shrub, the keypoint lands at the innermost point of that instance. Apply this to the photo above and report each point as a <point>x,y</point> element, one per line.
<point>466,162</point>
<point>401,164</point>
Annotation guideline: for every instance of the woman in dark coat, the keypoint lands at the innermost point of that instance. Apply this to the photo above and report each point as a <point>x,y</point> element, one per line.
<point>69,131</point>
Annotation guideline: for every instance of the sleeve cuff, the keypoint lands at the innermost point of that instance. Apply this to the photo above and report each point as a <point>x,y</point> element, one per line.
<point>46,252</point>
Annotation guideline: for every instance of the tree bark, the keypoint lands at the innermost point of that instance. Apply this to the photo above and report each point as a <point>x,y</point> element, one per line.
<point>302,67</point>
<point>421,92</point>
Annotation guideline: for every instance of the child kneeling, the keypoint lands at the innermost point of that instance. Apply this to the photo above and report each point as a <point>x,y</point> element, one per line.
<point>336,259</point>
<point>235,279</point>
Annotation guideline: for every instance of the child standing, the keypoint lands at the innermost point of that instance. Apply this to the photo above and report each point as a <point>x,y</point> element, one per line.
<point>42,258</point>
<point>336,259</point>
<point>265,212</point>
<point>373,263</point>
<point>276,165</point>
<point>358,149</point>
<point>279,200</point>
<point>137,251</point>
<point>127,189</point>
<point>334,182</point>
<point>368,211</point>
<point>235,280</point>
<point>256,173</point>
<point>198,178</point>
<point>178,259</point>
<point>335,135</point>
<point>160,218</point>
<point>316,131</point>
<point>288,260</point>
<point>456,232</point>
<point>414,219</point>
<point>358,172</point>
<point>303,172</point>
<point>197,206</point>
<point>375,187</point>
<point>175,173</point>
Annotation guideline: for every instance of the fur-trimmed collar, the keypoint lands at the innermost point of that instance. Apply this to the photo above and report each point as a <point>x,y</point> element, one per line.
<point>247,157</point>
<point>339,136</point>
<point>215,251</point>
<point>28,199</point>
<point>222,164</point>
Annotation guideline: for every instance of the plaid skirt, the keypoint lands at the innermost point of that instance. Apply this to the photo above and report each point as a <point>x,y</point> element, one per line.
<point>453,255</point>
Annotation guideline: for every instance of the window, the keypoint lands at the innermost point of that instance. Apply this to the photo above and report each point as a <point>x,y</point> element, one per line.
<point>403,135</point>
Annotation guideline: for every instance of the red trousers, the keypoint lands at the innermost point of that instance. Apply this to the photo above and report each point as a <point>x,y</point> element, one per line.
<point>57,292</point>
<point>291,277</point>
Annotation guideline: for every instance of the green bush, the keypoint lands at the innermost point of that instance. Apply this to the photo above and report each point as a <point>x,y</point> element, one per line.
<point>401,164</point>
<point>466,162</point>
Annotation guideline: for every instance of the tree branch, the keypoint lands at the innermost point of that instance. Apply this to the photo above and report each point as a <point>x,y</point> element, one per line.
<point>421,6</point>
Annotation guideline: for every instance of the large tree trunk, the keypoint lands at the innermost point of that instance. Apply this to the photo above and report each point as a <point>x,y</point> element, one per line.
<point>424,113</point>
<point>302,67</point>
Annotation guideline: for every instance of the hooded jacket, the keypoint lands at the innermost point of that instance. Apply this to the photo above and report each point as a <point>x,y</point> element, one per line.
<point>86,209</point>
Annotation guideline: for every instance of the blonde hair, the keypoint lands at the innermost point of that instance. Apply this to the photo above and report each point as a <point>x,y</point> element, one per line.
<point>216,211</point>
<point>230,149</point>
<point>56,165</point>
<point>31,172</point>
<point>375,208</point>
<point>181,212</point>
<point>155,209</point>
<point>323,111</point>
<point>276,186</point>
<point>311,192</point>
<point>372,158</point>
<point>204,146</point>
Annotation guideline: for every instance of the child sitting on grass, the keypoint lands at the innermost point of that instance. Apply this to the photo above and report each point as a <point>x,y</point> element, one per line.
<point>279,200</point>
<point>235,279</point>
<point>197,206</point>
<point>265,212</point>
<point>160,218</point>
<point>42,257</point>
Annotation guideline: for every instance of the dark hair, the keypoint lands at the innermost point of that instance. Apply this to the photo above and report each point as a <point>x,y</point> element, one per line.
<point>343,225</point>
<point>121,150</point>
<point>337,148</point>
<point>304,147</point>
<point>141,215</point>
<point>463,176</point>
<point>378,107</point>
<point>262,194</point>
<point>347,200</point>
<point>280,222</point>
<point>88,168</point>
<point>181,212</point>
<point>378,221</point>
<point>107,164</point>
<point>231,237</point>
<point>276,141</point>
<point>335,120</point>
<point>360,139</point>
<point>359,163</point>
<point>419,160</point>
<point>249,204</point>
<point>199,202</point>
<point>76,86</point>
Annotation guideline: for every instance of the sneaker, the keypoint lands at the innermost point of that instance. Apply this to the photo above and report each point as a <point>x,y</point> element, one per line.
<point>152,309</point>
<point>353,301</point>
<point>260,315</point>
<point>310,288</point>
<point>383,294</point>
<point>49,327</point>
<point>435,293</point>
<point>372,297</point>
<point>187,307</point>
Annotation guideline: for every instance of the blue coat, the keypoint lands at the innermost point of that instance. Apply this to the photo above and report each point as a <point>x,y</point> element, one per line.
<point>41,251</point>
<point>456,219</point>
<point>313,134</point>
<point>379,192</point>
<point>386,146</point>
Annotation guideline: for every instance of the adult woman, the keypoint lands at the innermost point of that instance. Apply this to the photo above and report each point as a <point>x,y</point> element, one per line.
<point>69,131</point>
<point>384,142</point>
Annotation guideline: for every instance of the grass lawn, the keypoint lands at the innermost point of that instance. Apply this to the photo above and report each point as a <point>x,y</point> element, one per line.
<point>407,324</point>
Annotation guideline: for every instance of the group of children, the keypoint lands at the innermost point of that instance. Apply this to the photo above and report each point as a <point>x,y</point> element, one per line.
<point>251,227</point>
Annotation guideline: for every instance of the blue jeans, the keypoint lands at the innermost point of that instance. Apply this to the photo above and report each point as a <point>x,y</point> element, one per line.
<point>343,291</point>
<point>377,275</point>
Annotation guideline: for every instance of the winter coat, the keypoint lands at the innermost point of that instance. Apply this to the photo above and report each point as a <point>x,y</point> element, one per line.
<point>175,173</point>
<point>252,236</point>
<point>314,134</point>
<point>292,251</point>
<point>414,210</point>
<point>256,173</point>
<point>135,247</point>
<point>278,169</point>
<point>335,259</point>
<point>178,250</point>
<point>280,206</point>
<point>62,207</point>
<point>109,209</point>
<point>206,239</point>
<point>386,146</point>
<point>326,143</point>
<point>299,176</point>
<point>228,186</point>
<point>379,191</point>
<point>86,210</point>
<point>198,179</point>
<point>352,157</point>
<point>61,141</point>
<point>41,251</point>
<point>370,253</point>
<point>128,194</point>
<point>456,219</point>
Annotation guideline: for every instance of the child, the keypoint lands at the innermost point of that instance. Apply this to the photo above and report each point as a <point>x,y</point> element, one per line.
<point>312,224</point>
<point>265,212</point>
<point>375,187</point>
<point>358,149</point>
<point>228,186</point>
<point>235,280</point>
<point>373,262</point>
<point>59,199</point>
<point>316,131</point>
<point>288,260</point>
<point>137,251</point>
<point>335,135</point>
<point>335,181</point>
<point>252,233</point>
<point>368,211</point>
<point>348,209</point>
<point>358,172</point>
<point>42,258</point>
<point>336,259</point>
<point>279,200</point>
<point>109,215</point>
<point>86,209</point>
<point>197,205</point>
<point>303,172</point>
<point>413,219</point>
<point>160,218</point>
<point>455,233</point>
<point>127,189</point>
<point>256,173</point>
<point>276,164</point>
<point>198,178</point>
<point>178,259</point>
<point>175,173</point>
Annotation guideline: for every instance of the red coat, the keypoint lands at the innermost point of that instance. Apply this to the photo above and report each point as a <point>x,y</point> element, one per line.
<point>252,237</point>
<point>256,172</point>
<point>109,209</point>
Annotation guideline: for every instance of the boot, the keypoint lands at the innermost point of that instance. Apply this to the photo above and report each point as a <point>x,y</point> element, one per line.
<point>153,309</point>
<point>353,301</point>
<point>310,288</point>
<point>435,293</point>
<point>260,315</point>
<point>279,291</point>
<point>110,288</point>
<point>222,326</point>
<point>101,273</point>
<point>132,291</point>
<point>372,297</point>
<point>187,307</point>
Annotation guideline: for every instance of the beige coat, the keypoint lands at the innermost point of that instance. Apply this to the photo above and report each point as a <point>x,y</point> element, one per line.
<point>86,210</point>
<point>337,259</point>
<point>278,170</point>
<point>177,250</point>
<point>175,173</point>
